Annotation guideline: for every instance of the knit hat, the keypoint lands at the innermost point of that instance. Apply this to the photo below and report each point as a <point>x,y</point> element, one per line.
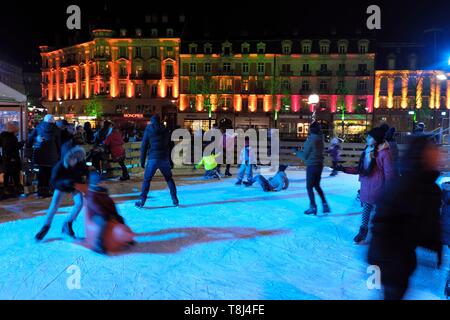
<point>384,127</point>
<point>378,134</point>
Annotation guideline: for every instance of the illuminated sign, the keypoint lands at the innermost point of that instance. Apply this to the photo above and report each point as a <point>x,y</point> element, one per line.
<point>133,115</point>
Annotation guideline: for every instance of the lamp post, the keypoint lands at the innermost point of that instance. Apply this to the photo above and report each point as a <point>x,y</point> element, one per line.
<point>313,100</point>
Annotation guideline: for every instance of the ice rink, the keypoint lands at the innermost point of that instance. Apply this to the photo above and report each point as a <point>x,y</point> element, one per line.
<point>223,242</point>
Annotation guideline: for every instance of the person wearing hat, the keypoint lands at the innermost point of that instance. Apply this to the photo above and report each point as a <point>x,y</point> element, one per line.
<point>276,183</point>
<point>156,148</point>
<point>312,156</point>
<point>376,170</point>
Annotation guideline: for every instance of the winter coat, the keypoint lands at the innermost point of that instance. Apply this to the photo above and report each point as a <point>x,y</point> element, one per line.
<point>445,216</point>
<point>98,202</point>
<point>10,156</point>
<point>115,144</point>
<point>382,172</point>
<point>46,143</point>
<point>247,156</point>
<point>335,152</point>
<point>313,149</point>
<point>88,136</point>
<point>155,144</point>
<point>393,147</point>
<point>64,179</point>
<point>407,217</point>
<point>279,181</point>
<point>209,162</point>
<point>65,136</point>
<point>100,136</point>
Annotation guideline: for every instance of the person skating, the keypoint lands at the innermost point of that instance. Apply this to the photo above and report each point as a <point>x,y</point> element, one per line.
<point>65,175</point>
<point>312,155</point>
<point>227,143</point>
<point>335,153</point>
<point>114,141</point>
<point>211,166</point>
<point>375,171</point>
<point>247,159</point>
<point>155,146</point>
<point>393,147</point>
<point>407,217</point>
<point>276,183</point>
<point>10,158</point>
<point>46,143</point>
<point>101,209</point>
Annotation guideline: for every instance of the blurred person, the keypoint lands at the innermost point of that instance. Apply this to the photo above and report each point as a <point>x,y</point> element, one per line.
<point>65,175</point>
<point>46,143</point>
<point>10,158</point>
<point>114,142</point>
<point>408,217</point>
<point>276,183</point>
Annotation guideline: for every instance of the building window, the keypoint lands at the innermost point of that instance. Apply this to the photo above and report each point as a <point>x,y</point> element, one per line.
<point>391,62</point>
<point>123,90</point>
<point>342,46</point>
<point>123,70</point>
<point>227,66</point>
<point>305,85</point>
<point>306,47</point>
<point>363,46</point>
<point>245,48</point>
<point>245,85</point>
<point>207,48</point>
<point>323,67</point>
<point>286,47</point>
<point>286,68</point>
<point>362,67</point>
<point>323,86</point>
<point>285,85</point>
<point>324,47</point>
<point>260,67</point>
<point>207,67</point>
<point>169,70</point>
<point>305,67</point>
<point>154,32</point>
<point>169,92</point>
<point>226,84</point>
<point>123,52</point>
<point>261,48</point>
<point>192,48</point>
<point>362,85</point>
<point>154,91</point>
<point>154,52</point>
<point>341,85</point>
<point>169,33</point>
<point>138,51</point>
<point>192,67</point>
<point>245,67</point>
<point>342,67</point>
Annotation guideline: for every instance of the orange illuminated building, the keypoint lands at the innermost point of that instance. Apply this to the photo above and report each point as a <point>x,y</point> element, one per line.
<point>132,74</point>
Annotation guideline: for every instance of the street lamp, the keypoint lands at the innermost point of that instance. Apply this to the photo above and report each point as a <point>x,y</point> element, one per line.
<point>313,100</point>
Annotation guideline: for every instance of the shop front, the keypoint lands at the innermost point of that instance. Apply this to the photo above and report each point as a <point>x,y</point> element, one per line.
<point>294,126</point>
<point>250,121</point>
<point>352,127</point>
<point>196,121</point>
<point>13,108</point>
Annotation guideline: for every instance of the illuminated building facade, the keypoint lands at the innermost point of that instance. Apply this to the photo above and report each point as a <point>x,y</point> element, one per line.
<point>264,84</point>
<point>123,74</point>
<point>408,88</point>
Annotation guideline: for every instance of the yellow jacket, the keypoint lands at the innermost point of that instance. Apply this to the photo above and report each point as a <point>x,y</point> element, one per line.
<point>209,162</point>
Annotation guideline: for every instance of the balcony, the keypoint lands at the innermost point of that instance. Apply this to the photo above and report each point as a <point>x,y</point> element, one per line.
<point>102,57</point>
<point>324,91</point>
<point>225,72</point>
<point>362,73</point>
<point>306,73</point>
<point>342,73</point>
<point>286,73</point>
<point>145,76</point>
<point>324,73</point>
<point>362,92</point>
<point>305,91</point>
<point>261,91</point>
<point>123,76</point>
<point>169,75</point>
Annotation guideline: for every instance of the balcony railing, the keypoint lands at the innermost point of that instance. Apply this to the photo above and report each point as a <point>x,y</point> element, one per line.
<point>169,75</point>
<point>145,76</point>
<point>362,73</point>
<point>286,73</point>
<point>102,57</point>
<point>306,73</point>
<point>342,73</point>
<point>324,73</point>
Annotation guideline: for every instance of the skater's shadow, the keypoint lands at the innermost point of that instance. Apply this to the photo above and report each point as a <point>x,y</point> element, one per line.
<point>170,241</point>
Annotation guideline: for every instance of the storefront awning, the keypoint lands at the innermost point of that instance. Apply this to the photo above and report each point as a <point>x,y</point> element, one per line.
<point>10,96</point>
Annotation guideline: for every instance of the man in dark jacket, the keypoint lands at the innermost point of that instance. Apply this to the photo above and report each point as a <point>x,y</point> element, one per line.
<point>156,147</point>
<point>407,217</point>
<point>46,143</point>
<point>312,155</point>
<point>10,157</point>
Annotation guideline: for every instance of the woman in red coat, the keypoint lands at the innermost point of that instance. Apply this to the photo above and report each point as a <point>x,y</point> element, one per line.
<point>114,141</point>
<point>376,170</point>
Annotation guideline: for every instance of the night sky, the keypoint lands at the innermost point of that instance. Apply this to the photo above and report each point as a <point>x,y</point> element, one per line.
<point>26,25</point>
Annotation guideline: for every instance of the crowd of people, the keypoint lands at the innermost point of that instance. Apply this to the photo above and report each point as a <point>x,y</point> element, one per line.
<point>401,201</point>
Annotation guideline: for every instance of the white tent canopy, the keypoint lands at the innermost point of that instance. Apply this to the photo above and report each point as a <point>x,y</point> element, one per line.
<point>9,95</point>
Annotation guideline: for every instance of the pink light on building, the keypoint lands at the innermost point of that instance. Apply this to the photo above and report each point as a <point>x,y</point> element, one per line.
<point>278,106</point>
<point>370,104</point>
<point>295,100</point>
<point>333,103</point>
<point>349,103</point>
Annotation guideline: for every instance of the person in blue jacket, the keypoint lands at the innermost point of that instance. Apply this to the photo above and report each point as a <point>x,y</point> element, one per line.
<point>276,183</point>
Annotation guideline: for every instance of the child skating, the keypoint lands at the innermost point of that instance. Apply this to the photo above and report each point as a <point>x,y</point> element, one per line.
<point>248,160</point>
<point>211,166</point>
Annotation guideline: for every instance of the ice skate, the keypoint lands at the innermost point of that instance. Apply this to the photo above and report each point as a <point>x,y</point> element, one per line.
<point>326,208</point>
<point>42,233</point>
<point>311,211</point>
<point>361,236</point>
<point>67,230</point>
